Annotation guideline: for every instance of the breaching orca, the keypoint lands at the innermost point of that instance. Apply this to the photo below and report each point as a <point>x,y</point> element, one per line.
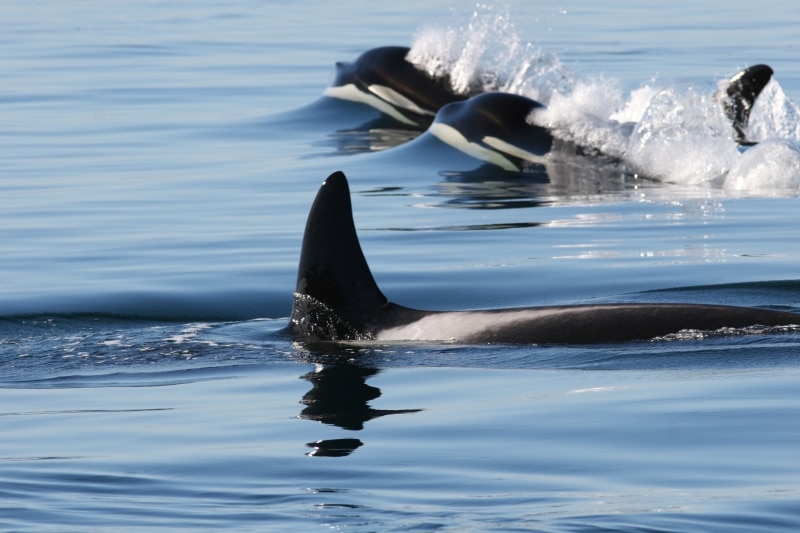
<point>385,80</point>
<point>337,299</point>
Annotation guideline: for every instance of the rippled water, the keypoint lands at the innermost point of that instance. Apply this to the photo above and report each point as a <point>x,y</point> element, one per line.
<point>158,164</point>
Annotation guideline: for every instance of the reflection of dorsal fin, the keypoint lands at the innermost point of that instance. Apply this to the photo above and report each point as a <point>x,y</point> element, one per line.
<point>741,94</point>
<point>333,276</point>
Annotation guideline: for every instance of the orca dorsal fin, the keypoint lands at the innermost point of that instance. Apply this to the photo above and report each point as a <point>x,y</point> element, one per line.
<point>741,94</point>
<point>336,295</point>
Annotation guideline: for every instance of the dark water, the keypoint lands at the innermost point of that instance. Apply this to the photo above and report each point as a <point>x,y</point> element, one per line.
<point>158,163</point>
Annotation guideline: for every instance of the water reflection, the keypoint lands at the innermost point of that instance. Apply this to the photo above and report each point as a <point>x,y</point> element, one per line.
<point>333,447</point>
<point>340,396</point>
<point>487,188</point>
<point>373,136</point>
<point>353,128</point>
<point>557,181</point>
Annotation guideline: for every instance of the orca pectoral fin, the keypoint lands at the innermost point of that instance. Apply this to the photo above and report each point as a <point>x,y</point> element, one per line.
<point>740,96</point>
<point>336,296</point>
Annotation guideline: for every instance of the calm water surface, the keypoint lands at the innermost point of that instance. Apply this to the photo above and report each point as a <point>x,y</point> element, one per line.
<point>157,165</point>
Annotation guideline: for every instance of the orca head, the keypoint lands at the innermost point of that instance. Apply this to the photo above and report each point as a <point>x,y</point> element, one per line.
<point>495,127</point>
<point>386,74</point>
<point>740,95</point>
<point>336,296</point>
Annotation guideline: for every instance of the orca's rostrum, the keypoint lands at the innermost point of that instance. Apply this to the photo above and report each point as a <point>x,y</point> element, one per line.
<point>337,299</point>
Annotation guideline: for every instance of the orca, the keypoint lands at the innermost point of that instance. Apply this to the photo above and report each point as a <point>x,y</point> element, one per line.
<point>491,126</point>
<point>496,127</point>
<point>337,299</point>
<point>385,80</point>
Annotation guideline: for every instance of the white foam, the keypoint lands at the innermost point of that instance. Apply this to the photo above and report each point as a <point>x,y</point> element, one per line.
<point>189,333</point>
<point>636,105</point>
<point>485,53</point>
<point>774,115</point>
<point>772,165</point>
<point>675,134</point>
<point>582,116</point>
<point>683,137</point>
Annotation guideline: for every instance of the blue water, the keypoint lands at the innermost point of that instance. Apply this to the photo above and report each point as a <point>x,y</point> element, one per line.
<point>158,162</point>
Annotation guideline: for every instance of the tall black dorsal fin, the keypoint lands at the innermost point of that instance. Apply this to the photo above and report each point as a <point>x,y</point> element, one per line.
<point>741,94</point>
<point>336,294</point>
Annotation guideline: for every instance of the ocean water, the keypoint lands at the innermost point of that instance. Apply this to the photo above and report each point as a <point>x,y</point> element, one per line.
<point>158,162</point>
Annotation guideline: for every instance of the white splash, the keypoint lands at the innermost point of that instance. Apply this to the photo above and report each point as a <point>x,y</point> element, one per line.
<point>582,116</point>
<point>683,137</point>
<point>774,115</point>
<point>485,53</point>
<point>675,134</point>
<point>772,165</point>
<point>633,109</point>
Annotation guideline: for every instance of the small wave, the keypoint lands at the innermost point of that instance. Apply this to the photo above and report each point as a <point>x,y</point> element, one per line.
<point>34,349</point>
<point>190,333</point>
<point>165,306</point>
<point>696,334</point>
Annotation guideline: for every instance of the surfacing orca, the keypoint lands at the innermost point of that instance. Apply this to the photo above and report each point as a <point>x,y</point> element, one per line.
<point>490,126</point>
<point>495,127</point>
<point>385,80</point>
<point>337,299</point>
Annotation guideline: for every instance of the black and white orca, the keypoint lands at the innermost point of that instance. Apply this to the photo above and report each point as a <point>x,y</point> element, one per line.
<point>337,299</point>
<point>384,79</point>
<point>497,127</point>
<point>494,127</point>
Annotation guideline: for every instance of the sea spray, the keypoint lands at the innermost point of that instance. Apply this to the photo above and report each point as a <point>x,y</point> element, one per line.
<point>660,130</point>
